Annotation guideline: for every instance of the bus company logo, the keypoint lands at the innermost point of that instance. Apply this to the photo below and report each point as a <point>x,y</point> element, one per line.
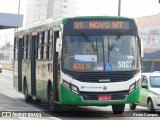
<point>6,114</point>
<point>91,87</point>
<point>105,88</point>
<point>82,87</point>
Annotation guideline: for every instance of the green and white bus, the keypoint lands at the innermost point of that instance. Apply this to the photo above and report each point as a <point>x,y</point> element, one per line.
<point>73,61</point>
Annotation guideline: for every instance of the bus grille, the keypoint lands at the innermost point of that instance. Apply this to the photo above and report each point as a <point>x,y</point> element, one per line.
<point>106,77</point>
<point>102,77</point>
<point>114,95</point>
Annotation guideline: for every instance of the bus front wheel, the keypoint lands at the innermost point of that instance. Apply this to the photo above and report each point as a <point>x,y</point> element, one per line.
<point>53,106</point>
<point>118,109</point>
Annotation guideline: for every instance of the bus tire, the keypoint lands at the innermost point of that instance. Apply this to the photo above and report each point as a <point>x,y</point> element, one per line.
<point>53,106</point>
<point>132,106</point>
<point>28,98</point>
<point>118,109</point>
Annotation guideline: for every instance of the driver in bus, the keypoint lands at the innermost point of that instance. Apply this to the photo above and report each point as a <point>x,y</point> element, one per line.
<point>116,51</point>
<point>115,54</point>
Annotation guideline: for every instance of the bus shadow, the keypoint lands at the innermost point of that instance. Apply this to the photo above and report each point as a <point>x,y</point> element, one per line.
<point>74,111</point>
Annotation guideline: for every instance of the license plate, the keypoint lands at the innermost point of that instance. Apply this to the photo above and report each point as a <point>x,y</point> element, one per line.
<point>104,97</point>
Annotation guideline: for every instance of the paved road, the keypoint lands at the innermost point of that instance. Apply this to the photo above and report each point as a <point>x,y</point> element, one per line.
<point>11,100</point>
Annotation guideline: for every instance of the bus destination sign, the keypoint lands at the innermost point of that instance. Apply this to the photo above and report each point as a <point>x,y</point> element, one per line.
<point>100,25</point>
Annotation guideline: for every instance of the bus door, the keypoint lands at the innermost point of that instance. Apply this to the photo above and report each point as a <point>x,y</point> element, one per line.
<point>33,63</point>
<point>20,56</point>
<point>55,67</point>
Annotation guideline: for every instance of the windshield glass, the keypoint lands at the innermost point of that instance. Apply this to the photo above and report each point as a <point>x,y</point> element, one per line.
<point>100,53</point>
<point>155,81</point>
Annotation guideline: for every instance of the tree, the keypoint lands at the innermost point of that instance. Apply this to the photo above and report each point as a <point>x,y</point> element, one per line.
<point>7,45</point>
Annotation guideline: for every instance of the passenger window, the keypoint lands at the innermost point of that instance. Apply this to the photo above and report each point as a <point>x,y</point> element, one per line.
<point>45,45</point>
<point>42,45</point>
<point>27,45</point>
<point>50,44</point>
<point>39,47</point>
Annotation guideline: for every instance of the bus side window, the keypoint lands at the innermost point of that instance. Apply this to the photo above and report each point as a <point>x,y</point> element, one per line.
<point>45,44</point>
<point>27,39</point>
<point>29,46</point>
<point>50,45</point>
<point>39,47</point>
<point>37,43</point>
<point>42,45</point>
<point>15,48</point>
<point>24,47</point>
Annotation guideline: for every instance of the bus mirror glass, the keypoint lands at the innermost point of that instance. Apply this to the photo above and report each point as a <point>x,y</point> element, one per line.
<point>58,45</point>
<point>144,85</point>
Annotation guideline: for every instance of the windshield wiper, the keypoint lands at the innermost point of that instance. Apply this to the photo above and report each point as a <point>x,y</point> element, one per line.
<point>88,40</point>
<point>114,42</point>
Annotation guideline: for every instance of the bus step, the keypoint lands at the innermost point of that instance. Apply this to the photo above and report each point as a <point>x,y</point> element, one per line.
<point>56,102</point>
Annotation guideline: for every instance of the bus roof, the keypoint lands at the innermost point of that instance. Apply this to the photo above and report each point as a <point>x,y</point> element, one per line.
<point>49,23</point>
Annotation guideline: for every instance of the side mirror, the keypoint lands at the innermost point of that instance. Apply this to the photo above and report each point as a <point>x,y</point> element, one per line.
<point>144,85</point>
<point>58,45</point>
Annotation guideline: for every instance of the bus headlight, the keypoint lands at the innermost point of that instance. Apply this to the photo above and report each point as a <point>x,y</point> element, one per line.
<point>132,88</point>
<point>74,89</point>
<point>66,84</point>
<point>71,87</point>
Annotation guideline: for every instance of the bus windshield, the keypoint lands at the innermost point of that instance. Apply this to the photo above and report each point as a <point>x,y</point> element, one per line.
<point>100,53</point>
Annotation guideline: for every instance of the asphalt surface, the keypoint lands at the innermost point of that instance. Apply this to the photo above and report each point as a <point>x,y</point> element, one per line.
<point>12,101</point>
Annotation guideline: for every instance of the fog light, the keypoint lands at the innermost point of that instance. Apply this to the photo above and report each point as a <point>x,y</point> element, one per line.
<point>74,89</point>
<point>71,87</point>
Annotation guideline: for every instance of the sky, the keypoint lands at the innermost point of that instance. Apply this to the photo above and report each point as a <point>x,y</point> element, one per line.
<point>129,8</point>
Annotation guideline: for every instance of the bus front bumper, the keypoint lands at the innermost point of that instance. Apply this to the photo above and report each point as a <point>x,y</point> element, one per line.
<point>70,98</point>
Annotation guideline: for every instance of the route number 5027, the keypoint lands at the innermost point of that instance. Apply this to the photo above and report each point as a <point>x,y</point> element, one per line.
<point>124,64</point>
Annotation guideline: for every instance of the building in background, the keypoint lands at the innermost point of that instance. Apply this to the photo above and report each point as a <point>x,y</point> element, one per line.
<point>38,10</point>
<point>6,55</point>
<point>149,31</point>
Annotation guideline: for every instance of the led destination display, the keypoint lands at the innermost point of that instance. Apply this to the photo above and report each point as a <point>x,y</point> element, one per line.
<point>100,25</point>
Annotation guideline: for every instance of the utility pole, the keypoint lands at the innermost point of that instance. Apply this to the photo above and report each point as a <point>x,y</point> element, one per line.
<point>19,4</point>
<point>119,8</point>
